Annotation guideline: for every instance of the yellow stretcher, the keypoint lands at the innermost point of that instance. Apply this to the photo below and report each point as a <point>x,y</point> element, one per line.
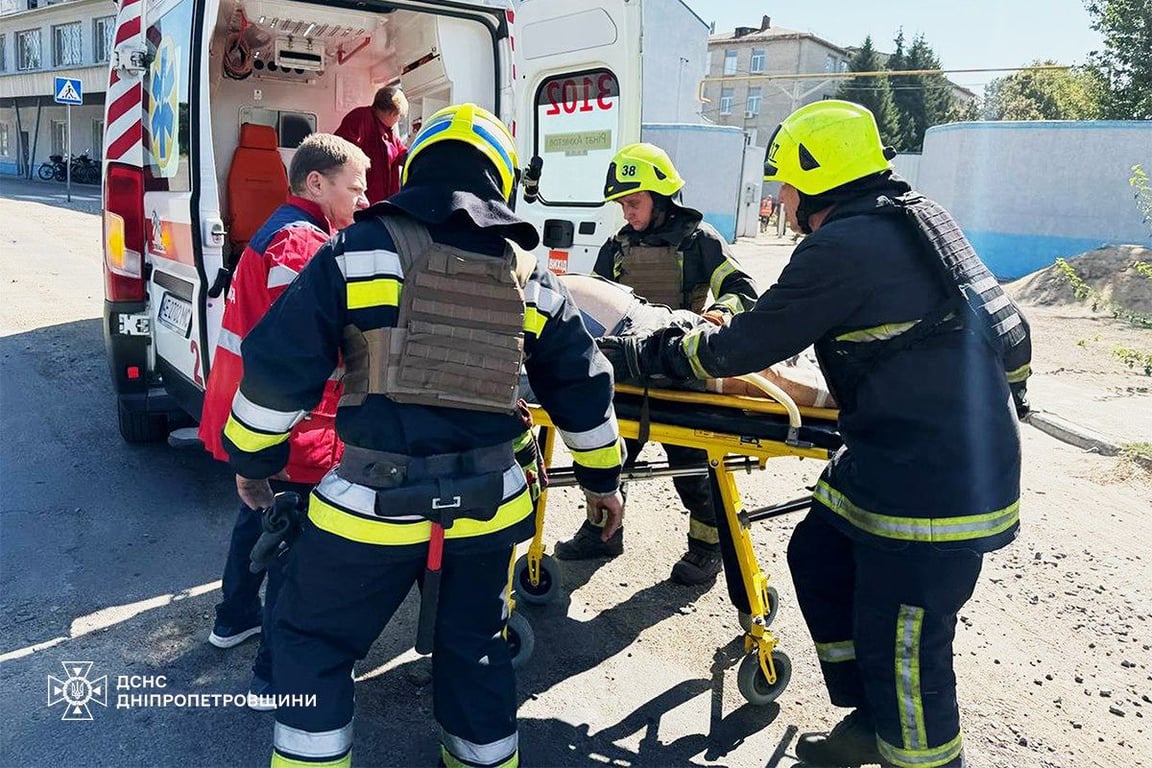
<point>738,433</point>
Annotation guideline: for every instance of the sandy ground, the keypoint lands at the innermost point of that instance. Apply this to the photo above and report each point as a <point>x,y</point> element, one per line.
<point>1053,651</point>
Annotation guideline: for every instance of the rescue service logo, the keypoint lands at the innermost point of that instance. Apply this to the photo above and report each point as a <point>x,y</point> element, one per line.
<point>163,108</point>
<point>77,690</point>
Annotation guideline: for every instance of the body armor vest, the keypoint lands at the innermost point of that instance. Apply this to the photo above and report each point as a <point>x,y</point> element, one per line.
<point>656,273</point>
<point>976,288</point>
<point>459,337</point>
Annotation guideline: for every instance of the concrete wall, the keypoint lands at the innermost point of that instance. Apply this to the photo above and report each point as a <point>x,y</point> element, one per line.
<point>675,58</point>
<point>711,159</point>
<point>1027,193</point>
<point>908,166</point>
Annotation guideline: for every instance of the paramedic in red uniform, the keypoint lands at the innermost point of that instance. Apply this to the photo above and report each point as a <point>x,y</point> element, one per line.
<point>327,183</point>
<point>373,129</point>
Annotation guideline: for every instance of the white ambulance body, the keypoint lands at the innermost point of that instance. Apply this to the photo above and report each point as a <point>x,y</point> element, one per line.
<point>178,177</point>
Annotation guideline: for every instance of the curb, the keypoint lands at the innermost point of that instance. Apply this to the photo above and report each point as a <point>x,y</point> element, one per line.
<point>1072,433</point>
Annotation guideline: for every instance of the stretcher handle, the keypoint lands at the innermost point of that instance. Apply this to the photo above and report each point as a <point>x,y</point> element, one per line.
<point>565,477</point>
<point>776,393</point>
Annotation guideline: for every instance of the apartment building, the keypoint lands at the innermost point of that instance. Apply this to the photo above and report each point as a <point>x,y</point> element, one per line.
<point>41,40</point>
<point>750,81</point>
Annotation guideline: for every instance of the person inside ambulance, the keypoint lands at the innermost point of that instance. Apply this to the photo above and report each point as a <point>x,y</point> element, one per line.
<point>927,359</point>
<point>327,182</point>
<point>373,129</point>
<point>434,308</point>
<point>668,255</point>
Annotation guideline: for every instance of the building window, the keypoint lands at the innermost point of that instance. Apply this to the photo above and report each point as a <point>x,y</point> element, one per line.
<point>752,108</point>
<point>66,45</point>
<point>3,53</point>
<point>725,101</point>
<point>5,148</point>
<point>829,63</point>
<point>28,50</point>
<point>59,137</point>
<point>730,62</point>
<point>102,29</point>
<point>758,60</point>
<point>844,65</point>
<point>97,148</point>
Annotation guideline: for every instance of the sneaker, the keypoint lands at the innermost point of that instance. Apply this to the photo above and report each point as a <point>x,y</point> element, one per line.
<point>261,696</point>
<point>586,544</point>
<point>850,744</point>
<point>697,567</point>
<point>224,636</point>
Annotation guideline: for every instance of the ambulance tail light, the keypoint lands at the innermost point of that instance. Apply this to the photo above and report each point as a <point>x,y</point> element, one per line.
<point>124,233</point>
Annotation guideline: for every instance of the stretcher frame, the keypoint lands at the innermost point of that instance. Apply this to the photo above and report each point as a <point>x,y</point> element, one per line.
<point>765,671</point>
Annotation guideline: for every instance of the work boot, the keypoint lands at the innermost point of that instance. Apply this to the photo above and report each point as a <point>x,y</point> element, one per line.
<point>697,567</point>
<point>850,744</point>
<point>586,544</point>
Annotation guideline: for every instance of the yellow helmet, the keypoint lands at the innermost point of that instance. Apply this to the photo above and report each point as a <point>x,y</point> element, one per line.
<point>477,127</point>
<point>641,167</point>
<point>824,145</point>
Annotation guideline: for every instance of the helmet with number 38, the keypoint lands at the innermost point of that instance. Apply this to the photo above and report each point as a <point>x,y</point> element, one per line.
<point>641,168</point>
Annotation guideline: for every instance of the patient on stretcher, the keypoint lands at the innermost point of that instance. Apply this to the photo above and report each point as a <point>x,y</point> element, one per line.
<point>611,309</point>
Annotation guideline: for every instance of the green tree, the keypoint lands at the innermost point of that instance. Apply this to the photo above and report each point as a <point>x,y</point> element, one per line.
<point>922,100</point>
<point>1043,94</point>
<point>873,92</point>
<point>1125,63</point>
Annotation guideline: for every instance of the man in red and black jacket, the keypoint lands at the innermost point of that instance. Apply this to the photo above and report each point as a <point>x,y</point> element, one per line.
<point>327,181</point>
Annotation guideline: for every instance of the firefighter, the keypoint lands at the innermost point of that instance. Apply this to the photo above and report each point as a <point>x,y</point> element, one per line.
<point>668,255</point>
<point>434,310</point>
<point>928,361</point>
<point>327,183</point>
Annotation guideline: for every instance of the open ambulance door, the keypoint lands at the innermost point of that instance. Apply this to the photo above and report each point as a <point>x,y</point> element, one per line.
<point>578,101</point>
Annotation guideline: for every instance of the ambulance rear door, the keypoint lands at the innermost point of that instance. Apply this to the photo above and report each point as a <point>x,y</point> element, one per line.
<point>579,101</point>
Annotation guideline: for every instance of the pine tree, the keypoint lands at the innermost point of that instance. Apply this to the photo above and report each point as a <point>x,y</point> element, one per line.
<point>873,92</point>
<point>922,100</point>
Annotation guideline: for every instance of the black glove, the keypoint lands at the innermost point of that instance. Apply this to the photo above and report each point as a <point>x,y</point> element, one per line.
<point>1020,399</point>
<point>643,359</point>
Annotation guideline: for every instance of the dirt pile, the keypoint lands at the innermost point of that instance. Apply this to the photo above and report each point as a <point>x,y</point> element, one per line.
<point>1108,270</point>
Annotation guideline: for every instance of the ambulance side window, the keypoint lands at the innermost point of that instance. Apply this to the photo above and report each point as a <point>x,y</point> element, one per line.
<point>165,102</point>
<point>291,127</point>
<point>577,128</point>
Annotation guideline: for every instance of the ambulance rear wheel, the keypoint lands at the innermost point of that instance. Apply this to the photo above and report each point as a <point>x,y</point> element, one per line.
<point>543,592</point>
<point>769,617</point>
<point>754,686</point>
<point>141,426</point>
<point>521,640</point>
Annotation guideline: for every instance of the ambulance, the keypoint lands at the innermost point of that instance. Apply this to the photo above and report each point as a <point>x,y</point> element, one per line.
<point>207,100</point>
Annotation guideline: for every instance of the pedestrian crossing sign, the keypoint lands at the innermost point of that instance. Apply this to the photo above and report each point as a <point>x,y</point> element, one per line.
<point>68,90</point>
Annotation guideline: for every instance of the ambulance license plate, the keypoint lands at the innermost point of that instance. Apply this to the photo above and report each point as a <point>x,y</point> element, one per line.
<point>176,313</point>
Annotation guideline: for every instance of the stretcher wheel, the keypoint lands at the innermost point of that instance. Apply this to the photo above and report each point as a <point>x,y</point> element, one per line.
<point>544,592</point>
<point>521,640</point>
<point>773,606</point>
<point>752,683</point>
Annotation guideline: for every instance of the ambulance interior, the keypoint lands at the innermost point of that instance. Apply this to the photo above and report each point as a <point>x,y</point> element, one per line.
<point>281,70</point>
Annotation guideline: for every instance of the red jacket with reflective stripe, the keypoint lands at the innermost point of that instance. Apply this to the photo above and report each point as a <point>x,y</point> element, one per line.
<point>273,258</point>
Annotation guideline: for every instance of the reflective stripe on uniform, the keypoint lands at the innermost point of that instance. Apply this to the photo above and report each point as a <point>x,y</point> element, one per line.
<point>691,346</point>
<point>833,653</point>
<point>909,703</point>
<point>604,435</point>
<point>1020,374</point>
<point>382,292</point>
<point>719,275</point>
<point>544,298</point>
<point>349,510</point>
<point>262,418</point>
<point>461,752</point>
<point>922,758</point>
<point>314,745</point>
<point>878,332</point>
<point>534,321</point>
<point>730,302</point>
<point>280,275</point>
<point>229,341</point>
<point>251,440</point>
<point>703,532</point>
<point>927,529</point>
<point>280,761</point>
<point>360,264</point>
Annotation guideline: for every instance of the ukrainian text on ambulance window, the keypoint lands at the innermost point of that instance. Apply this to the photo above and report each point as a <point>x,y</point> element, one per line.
<point>165,101</point>
<point>577,125</point>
